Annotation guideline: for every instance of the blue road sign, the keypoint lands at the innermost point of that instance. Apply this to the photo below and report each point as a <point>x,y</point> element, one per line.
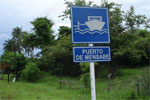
<point>89,25</point>
<point>91,54</point>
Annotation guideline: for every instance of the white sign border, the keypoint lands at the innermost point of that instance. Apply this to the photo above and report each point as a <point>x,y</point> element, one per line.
<point>72,25</point>
<point>91,47</point>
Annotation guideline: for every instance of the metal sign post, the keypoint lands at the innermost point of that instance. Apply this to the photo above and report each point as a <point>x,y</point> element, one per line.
<point>90,25</point>
<point>92,78</point>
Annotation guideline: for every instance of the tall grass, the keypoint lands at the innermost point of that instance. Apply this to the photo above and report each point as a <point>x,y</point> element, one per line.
<point>122,87</point>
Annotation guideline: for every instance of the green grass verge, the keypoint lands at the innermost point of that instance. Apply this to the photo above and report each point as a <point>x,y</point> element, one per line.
<point>123,87</point>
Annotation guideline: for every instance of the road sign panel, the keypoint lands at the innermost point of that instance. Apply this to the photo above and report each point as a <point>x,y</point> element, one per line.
<point>89,25</point>
<point>91,54</point>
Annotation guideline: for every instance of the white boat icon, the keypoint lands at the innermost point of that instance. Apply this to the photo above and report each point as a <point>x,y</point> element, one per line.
<point>95,23</point>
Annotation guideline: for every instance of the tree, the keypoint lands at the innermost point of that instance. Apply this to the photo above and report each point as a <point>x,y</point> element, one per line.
<point>115,17</point>
<point>124,32</point>
<point>143,45</point>
<point>16,68</point>
<point>31,72</point>
<point>66,13</point>
<point>17,37</point>
<point>29,43</point>
<point>8,45</point>
<point>64,30</point>
<point>8,57</point>
<point>43,32</point>
<point>130,19</point>
<point>132,49</point>
<point>58,58</point>
<point>133,21</point>
<point>147,23</point>
<point>140,20</point>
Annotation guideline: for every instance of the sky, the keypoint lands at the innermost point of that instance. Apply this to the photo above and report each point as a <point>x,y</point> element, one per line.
<point>20,13</point>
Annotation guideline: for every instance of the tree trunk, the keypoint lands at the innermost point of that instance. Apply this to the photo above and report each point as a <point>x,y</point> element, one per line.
<point>138,87</point>
<point>8,68</point>
<point>15,58</point>
<point>19,49</point>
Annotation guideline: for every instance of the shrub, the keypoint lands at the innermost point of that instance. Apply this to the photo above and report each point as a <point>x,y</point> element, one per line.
<point>145,83</point>
<point>132,96</point>
<point>85,76</point>
<point>31,72</point>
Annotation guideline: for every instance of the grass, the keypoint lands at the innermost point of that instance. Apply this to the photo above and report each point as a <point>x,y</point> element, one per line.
<point>123,87</point>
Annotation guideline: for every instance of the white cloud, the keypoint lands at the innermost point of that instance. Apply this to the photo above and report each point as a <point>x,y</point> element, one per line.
<point>4,36</point>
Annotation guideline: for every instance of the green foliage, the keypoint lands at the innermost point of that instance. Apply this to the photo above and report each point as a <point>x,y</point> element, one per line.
<point>17,38</point>
<point>115,17</point>
<point>122,87</point>
<point>64,30</point>
<point>59,56</point>
<point>127,56</point>
<point>143,33</point>
<point>31,72</point>
<point>133,21</point>
<point>131,49</point>
<point>143,44</point>
<point>85,67</point>
<point>43,31</point>
<point>147,23</point>
<point>130,19</point>
<point>14,44</point>
<point>145,83</point>
<point>8,57</point>
<point>20,63</point>
<point>8,45</point>
<point>132,96</point>
<point>125,36</point>
<point>129,44</point>
<point>29,43</point>
<point>66,13</point>
<point>85,76</point>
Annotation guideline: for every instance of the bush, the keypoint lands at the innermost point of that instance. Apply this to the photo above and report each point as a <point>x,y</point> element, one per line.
<point>145,83</point>
<point>85,76</point>
<point>132,96</point>
<point>31,72</point>
<point>59,56</point>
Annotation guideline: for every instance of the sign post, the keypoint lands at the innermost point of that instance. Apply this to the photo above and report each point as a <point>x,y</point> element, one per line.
<point>90,25</point>
<point>92,78</point>
<point>92,54</point>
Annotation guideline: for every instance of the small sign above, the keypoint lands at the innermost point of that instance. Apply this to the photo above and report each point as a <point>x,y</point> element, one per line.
<point>91,54</point>
<point>89,25</point>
